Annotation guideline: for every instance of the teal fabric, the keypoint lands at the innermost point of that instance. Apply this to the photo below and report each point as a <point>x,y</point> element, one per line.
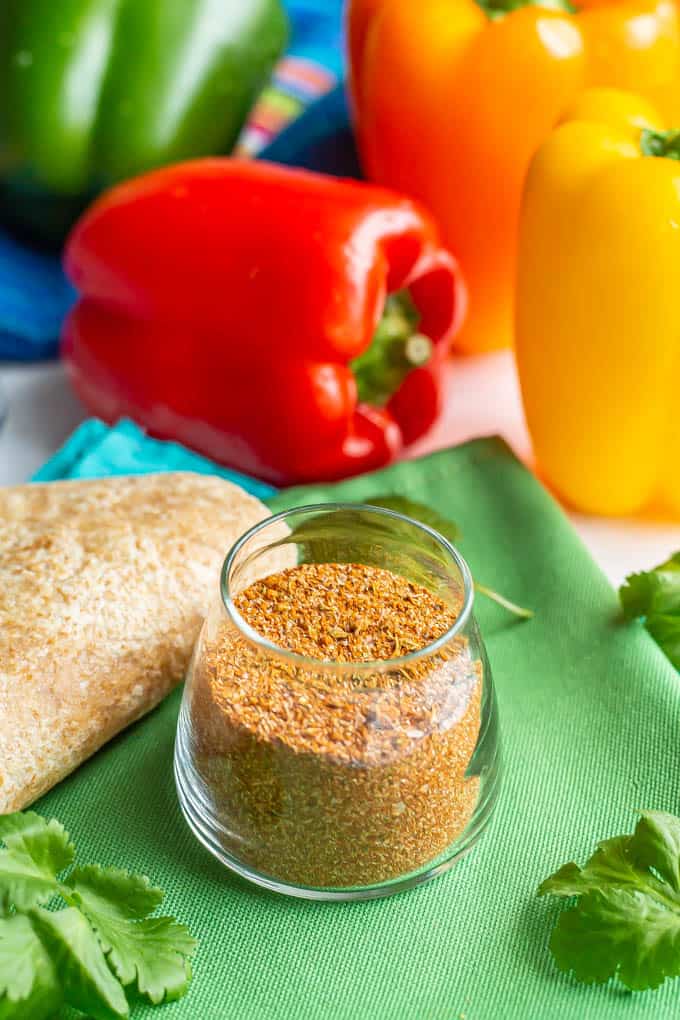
<point>96,450</point>
<point>590,713</point>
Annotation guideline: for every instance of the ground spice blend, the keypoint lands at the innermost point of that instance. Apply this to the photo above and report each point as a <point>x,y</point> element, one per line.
<point>335,778</point>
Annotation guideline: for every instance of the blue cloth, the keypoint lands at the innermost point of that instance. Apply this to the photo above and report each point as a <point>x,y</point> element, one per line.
<point>96,450</point>
<point>321,139</point>
<point>34,293</point>
<point>34,298</point>
<point>316,32</point>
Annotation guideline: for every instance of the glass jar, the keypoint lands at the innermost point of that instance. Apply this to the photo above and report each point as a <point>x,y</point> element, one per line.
<point>327,778</point>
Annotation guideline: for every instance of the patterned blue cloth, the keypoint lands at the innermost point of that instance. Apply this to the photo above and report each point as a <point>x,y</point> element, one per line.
<point>34,294</point>
<point>96,450</point>
<point>321,139</point>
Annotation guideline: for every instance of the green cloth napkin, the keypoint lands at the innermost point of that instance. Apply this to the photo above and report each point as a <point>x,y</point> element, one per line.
<point>590,712</point>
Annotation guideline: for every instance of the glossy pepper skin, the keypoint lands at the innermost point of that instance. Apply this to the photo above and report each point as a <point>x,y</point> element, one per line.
<point>452,98</point>
<point>222,302</point>
<point>95,91</point>
<point>598,316</point>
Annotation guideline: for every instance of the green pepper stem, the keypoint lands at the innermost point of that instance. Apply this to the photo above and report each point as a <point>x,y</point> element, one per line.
<point>396,349</point>
<point>495,9</point>
<point>662,144</point>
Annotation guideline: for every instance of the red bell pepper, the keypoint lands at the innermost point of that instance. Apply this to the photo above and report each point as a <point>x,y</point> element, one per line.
<point>242,308</point>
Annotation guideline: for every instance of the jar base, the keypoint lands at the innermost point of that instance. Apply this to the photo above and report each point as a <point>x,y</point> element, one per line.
<point>206,829</point>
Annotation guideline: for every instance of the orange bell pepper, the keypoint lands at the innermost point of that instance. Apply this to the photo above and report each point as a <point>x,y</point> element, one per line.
<point>452,97</point>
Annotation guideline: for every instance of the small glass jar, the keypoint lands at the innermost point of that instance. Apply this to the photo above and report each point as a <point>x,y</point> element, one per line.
<point>332,779</point>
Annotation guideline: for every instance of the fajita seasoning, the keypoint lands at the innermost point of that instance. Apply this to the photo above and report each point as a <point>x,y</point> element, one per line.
<point>337,777</point>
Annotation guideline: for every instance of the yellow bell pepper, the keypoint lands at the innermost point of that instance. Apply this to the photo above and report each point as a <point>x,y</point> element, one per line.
<point>598,305</point>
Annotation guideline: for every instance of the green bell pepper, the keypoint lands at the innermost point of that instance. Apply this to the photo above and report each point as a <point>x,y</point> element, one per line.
<point>95,91</point>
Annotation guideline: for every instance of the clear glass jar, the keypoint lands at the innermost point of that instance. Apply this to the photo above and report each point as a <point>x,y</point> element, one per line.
<point>335,779</point>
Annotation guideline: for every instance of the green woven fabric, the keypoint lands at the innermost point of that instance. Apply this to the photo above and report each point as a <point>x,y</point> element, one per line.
<point>590,711</point>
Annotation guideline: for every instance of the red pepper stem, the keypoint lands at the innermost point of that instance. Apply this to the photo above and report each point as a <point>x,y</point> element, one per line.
<point>396,349</point>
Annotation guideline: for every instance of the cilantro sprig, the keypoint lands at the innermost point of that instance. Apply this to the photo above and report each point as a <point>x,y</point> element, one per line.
<point>626,917</point>
<point>322,547</point>
<point>449,529</point>
<point>654,596</point>
<point>100,944</point>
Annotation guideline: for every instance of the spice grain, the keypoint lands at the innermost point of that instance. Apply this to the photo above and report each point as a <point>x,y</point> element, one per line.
<point>337,778</point>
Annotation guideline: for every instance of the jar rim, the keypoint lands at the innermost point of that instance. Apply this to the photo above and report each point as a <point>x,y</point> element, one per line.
<point>362,666</point>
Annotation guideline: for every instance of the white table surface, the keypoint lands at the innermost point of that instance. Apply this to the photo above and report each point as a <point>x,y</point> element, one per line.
<point>483,398</point>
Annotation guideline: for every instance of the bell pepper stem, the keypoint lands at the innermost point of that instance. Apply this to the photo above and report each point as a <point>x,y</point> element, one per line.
<point>495,9</point>
<point>662,144</point>
<point>395,350</point>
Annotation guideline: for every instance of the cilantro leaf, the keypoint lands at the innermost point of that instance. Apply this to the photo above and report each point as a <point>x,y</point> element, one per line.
<point>29,987</point>
<point>637,594</point>
<point>322,547</point>
<point>83,971</point>
<point>656,844</point>
<point>83,954</point>
<point>654,596</point>
<point>152,951</point>
<point>621,931</point>
<point>609,864</point>
<point>666,632</point>
<point>626,918</point>
<point>420,512</point>
<point>451,531</point>
<point>131,895</point>
<point>35,852</point>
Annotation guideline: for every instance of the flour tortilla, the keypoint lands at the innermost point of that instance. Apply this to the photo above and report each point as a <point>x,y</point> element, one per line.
<point>103,588</point>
